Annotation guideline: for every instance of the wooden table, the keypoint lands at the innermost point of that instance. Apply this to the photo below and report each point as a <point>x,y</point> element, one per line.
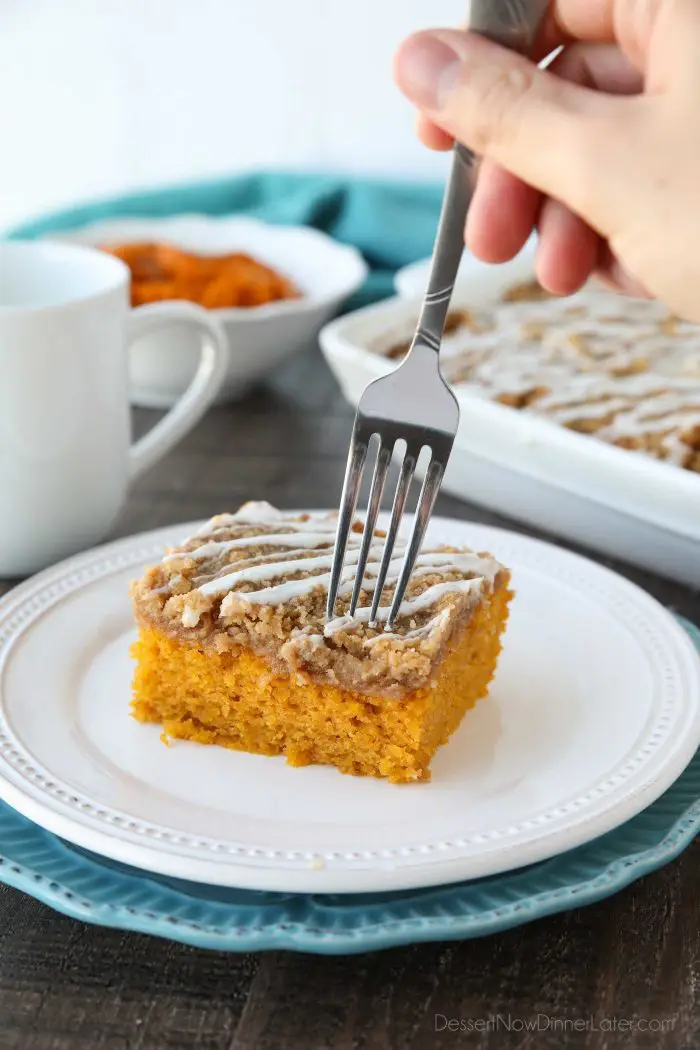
<point>66,986</point>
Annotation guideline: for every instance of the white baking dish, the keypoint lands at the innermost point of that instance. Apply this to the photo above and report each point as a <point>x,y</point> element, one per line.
<point>621,503</point>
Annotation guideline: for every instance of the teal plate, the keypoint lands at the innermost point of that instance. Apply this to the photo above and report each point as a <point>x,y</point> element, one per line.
<point>108,894</point>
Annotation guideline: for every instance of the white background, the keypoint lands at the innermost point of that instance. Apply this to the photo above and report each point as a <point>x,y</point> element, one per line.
<point>97,96</point>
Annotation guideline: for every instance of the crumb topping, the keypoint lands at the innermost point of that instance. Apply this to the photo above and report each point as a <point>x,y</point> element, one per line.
<point>260,578</point>
<point>622,370</point>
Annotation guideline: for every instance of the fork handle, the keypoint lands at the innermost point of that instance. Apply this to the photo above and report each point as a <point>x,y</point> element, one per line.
<point>448,249</point>
<point>513,24</point>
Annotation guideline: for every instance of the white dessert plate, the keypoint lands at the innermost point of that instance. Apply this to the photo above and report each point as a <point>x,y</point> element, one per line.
<point>594,712</point>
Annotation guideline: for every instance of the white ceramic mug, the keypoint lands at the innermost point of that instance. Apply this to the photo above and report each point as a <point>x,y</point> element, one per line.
<point>66,458</point>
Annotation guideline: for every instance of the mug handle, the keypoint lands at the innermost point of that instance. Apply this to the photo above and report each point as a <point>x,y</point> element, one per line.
<point>192,405</point>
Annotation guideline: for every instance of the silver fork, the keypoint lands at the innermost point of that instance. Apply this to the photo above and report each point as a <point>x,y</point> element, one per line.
<point>414,404</point>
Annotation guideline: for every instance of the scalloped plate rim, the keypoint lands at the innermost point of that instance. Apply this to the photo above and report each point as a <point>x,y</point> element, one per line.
<point>143,856</point>
<point>380,935</point>
<point>619,872</point>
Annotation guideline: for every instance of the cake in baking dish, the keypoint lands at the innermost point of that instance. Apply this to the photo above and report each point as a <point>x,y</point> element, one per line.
<point>622,370</point>
<point>234,648</point>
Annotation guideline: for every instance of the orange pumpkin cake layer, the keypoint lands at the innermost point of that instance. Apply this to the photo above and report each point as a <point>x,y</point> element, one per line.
<point>234,648</point>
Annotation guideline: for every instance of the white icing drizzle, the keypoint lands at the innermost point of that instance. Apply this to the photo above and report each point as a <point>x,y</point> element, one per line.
<point>436,623</point>
<point>299,538</point>
<point>274,570</point>
<point>214,547</point>
<point>409,607</point>
<point>620,367</point>
<point>254,514</point>
<point>425,565</point>
<point>285,592</point>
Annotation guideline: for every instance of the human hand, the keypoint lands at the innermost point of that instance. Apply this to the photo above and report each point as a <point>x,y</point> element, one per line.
<point>601,151</point>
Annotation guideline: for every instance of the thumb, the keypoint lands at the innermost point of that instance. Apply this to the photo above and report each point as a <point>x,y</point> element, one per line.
<point>565,140</point>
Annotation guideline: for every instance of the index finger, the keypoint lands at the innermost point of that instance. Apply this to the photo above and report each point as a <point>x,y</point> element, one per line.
<point>566,22</point>
<point>569,20</point>
<point>624,22</point>
<point>590,20</point>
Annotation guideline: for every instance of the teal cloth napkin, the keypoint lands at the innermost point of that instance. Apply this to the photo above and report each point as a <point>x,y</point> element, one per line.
<point>391,223</point>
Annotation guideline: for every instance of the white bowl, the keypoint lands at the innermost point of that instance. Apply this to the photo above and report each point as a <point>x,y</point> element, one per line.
<point>260,337</point>
<point>411,281</point>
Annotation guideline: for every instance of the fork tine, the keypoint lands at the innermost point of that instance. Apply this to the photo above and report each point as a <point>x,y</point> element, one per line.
<point>426,502</point>
<point>408,468</point>
<point>381,468</point>
<point>348,503</point>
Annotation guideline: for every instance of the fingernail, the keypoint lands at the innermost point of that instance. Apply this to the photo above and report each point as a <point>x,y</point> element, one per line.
<point>427,70</point>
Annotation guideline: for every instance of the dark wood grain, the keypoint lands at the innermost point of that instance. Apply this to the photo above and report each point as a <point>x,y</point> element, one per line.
<point>635,957</point>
